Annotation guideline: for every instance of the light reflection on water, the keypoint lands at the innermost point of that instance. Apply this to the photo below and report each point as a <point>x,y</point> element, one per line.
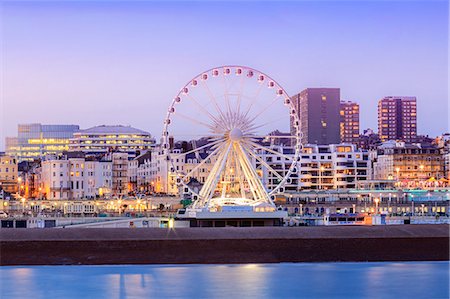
<point>305,280</point>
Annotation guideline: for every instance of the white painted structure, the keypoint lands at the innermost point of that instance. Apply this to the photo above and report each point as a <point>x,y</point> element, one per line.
<point>231,104</point>
<point>75,178</point>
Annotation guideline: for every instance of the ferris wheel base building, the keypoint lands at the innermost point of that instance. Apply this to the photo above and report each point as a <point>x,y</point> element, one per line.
<point>235,216</point>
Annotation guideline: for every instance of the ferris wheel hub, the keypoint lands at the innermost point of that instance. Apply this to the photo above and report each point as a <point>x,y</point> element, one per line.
<point>235,134</point>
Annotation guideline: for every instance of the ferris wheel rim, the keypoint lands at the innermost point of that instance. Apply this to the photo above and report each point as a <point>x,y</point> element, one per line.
<point>180,180</point>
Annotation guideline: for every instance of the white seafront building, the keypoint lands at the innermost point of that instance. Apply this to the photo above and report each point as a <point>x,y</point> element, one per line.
<point>75,178</point>
<point>334,166</point>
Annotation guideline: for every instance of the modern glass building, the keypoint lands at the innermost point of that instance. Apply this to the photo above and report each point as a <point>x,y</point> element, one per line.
<point>34,141</point>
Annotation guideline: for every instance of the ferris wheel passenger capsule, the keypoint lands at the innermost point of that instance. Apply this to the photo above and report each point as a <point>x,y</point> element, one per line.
<point>261,78</point>
<point>250,74</point>
<point>271,84</point>
<point>185,90</point>
<point>204,76</point>
<point>177,99</point>
<point>226,71</point>
<point>194,82</point>
<point>215,73</point>
<point>287,101</point>
<point>279,92</point>
<point>239,71</point>
<point>167,121</point>
<point>171,110</point>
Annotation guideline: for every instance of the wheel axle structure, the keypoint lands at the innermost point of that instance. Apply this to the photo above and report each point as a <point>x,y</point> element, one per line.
<point>226,110</point>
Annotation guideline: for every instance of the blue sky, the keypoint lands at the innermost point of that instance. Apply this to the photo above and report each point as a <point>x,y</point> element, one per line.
<point>118,62</point>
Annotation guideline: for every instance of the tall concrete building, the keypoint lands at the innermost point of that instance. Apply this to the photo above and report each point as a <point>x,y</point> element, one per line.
<point>349,125</point>
<point>319,114</point>
<point>34,141</point>
<point>397,119</point>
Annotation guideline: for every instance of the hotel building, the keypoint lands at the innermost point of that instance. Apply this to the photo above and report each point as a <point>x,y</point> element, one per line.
<point>319,113</point>
<point>100,140</point>
<point>397,119</point>
<point>349,126</point>
<point>408,162</point>
<point>34,141</point>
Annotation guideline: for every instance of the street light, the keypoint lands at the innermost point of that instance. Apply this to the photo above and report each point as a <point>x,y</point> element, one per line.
<point>397,169</point>
<point>377,200</point>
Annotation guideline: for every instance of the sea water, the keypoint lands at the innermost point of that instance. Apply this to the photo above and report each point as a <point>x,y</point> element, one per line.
<point>286,280</point>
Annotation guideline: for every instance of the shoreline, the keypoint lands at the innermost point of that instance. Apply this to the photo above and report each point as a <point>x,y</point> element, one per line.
<point>224,245</point>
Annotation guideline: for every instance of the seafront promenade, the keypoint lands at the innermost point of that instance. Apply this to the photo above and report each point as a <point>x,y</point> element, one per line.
<point>224,245</point>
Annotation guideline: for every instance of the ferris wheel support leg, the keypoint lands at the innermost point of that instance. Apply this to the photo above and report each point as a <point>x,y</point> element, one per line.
<point>218,175</point>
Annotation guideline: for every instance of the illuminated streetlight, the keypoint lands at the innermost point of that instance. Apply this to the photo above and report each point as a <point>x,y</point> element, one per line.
<point>377,200</point>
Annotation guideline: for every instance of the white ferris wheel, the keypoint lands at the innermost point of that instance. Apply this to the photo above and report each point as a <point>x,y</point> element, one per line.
<point>229,110</point>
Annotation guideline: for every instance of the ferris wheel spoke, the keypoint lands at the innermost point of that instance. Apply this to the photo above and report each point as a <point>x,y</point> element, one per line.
<point>241,92</point>
<point>198,148</point>
<point>253,99</point>
<point>202,108</point>
<point>252,127</point>
<point>195,121</point>
<point>255,145</point>
<point>273,136</point>
<point>264,163</point>
<point>264,109</point>
<point>203,162</point>
<point>213,100</point>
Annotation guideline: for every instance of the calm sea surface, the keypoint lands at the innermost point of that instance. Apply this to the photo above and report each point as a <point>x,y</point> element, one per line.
<point>310,280</point>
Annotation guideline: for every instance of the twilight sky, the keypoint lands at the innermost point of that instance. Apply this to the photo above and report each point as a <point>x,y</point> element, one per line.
<point>118,62</point>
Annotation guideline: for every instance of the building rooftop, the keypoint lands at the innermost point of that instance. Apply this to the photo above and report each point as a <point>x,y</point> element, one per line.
<point>117,129</point>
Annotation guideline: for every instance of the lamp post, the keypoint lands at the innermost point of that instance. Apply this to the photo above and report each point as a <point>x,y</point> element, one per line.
<point>397,169</point>
<point>377,200</point>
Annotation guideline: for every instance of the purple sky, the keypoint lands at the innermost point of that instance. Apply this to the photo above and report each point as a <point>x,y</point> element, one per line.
<point>110,62</point>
